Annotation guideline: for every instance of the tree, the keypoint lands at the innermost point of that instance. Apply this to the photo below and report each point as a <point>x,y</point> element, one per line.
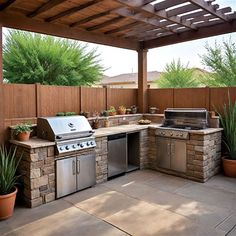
<point>33,58</point>
<point>177,75</point>
<point>221,60</point>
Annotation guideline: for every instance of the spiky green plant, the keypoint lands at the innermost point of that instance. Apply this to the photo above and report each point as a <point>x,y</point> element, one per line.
<point>228,122</point>
<point>33,58</point>
<point>8,167</point>
<point>221,61</point>
<point>176,75</point>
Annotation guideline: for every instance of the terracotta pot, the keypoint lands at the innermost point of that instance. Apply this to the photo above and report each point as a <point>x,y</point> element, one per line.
<point>122,112</point>
<point>229,167</point>
<point>24,136</point>
<point>112,113</point>
<point>7,203</point>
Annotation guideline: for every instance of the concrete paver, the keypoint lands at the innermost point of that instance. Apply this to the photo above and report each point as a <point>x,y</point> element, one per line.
<point>140,203</point>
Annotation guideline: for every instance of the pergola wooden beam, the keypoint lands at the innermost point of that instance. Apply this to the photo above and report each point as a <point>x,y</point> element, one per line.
<point>139,17</point>
<point>45,7</point>
<point>204,32</point>
<point>6,4</point>
<point>90,18</point>
<point>73,10</point>
<point>106,23</point>
<point>122,28</point>
<point>207,6</point>
<point>150,9</point>
<point>167,4</point>
<point>24,23</point>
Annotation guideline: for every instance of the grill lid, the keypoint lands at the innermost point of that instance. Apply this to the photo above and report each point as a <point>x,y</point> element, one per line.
<point>186,117</point>
<point>63,128</point>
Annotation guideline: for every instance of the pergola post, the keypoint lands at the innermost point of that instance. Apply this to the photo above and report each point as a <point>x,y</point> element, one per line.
<point>142,80</point>
<point>1,90</point>
<point>1,62</point>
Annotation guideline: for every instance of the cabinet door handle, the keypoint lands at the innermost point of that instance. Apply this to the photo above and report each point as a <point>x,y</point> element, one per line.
<point>78,166</point>
<point>173,149</point>
<point>73,167</point>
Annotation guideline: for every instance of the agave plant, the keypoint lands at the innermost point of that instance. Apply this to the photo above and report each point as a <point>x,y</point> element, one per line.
<point>8,167</point>
<point>228,122</point>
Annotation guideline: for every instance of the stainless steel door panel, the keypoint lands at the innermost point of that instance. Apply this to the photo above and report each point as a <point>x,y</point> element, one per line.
<point>66,176</point>
<point>117,156</point>
<point>178,155</point>
<point>163,152</point>
<point>86,171</point>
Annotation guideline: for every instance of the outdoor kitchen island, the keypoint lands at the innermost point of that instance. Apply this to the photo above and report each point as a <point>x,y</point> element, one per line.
<point>38,162</point>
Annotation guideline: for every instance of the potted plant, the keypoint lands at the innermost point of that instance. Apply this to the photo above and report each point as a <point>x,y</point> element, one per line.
<point>112,111</point>
<point>70,113</point>
<point>152,110</point>
<point>228,122</point>
<point>84,113</point>
<point>60,114</point>
<point>8,179</point>
<point>95,123</point>
<point>22,131</point>
<point>134,109</point>
<point>105,113</point>
<point>128,110</point>
<point>121,110</point>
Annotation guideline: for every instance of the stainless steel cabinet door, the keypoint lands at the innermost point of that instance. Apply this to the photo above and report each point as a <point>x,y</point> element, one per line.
<point>163,152</point>
<point>66,176</point>
<point>117,156</point>
<point>86,171</point>
<point>178,155</point>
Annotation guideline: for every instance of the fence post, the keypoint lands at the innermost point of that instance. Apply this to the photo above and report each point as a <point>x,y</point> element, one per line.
<point>37,99</point>
<point>208,98</point>
<point>106,96</point>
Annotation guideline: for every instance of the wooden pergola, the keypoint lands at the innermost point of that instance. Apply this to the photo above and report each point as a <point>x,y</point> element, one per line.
<point>131,24</point>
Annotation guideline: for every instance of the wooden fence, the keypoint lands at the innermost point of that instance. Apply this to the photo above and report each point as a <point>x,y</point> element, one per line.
<point>209,98</point>
<point>21,103</point>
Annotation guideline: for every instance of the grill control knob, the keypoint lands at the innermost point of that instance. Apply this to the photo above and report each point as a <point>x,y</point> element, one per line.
<point>81,145</point>
<point>87,143</point>
<point>61,148</point>
<point>74,146</point>
<point>91,143</point>
<point>67,148</point>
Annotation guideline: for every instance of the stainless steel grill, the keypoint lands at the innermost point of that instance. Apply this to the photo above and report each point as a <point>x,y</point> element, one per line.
<point>178,121</point>
<point>70,133</point>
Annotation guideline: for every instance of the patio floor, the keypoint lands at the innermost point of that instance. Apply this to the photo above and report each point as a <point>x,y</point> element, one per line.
<point>140,203</point>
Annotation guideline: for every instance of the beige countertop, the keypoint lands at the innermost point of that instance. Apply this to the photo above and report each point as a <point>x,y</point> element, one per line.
<point>101,132</point>
<point>33,143</point>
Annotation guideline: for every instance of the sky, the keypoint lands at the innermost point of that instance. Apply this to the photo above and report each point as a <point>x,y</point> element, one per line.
<point>118,61</point>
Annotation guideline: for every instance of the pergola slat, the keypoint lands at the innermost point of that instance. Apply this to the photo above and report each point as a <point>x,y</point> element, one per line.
<point>122,28</point>
<point>73,10</point>
<point>209,8</point>
<point>106,23</point>
<point>45,7</point>
<point>90,18</point>
<point>167,4</point>
<point>6,4</point>
<point>139,17</point>
<point>213,30</point>
<point>149,9</point>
